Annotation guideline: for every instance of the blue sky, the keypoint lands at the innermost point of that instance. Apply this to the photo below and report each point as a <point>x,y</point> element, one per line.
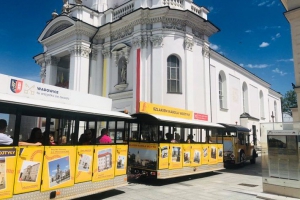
<point>254,34</point>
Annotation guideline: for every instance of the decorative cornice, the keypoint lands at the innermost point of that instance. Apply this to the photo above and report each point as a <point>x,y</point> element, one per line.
<point>205,50</point>
<point>79,50</point>
<point>173,23</point>
<point>157,40</point>
<point>122,32</point>
<point>188,43</point>
<point>106,52</point>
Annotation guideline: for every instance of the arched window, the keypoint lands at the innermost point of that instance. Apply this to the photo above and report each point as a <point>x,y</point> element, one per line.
<point>261,104</point>
<point>245,98</point>
<point>173,74</point>
<point>275,111</point>
<point>222,90</point>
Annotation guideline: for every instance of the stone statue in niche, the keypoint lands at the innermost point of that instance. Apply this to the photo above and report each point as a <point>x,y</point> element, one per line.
<point>123,72</point>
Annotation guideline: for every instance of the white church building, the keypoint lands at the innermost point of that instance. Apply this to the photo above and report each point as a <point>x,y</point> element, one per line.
<point>154,51</point>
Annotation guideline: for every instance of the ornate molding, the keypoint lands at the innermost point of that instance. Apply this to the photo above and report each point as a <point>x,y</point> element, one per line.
<point>173,23</point>
<point>157,40</point>
<point>121,33</point>
<point>94,54</point>
<point>79,50</point>
<point>205,51</point>
<point>43,72</point>
<point>106,52</point>
<point>51,60</point>
<point>188,44</point>
<point>140,42</point>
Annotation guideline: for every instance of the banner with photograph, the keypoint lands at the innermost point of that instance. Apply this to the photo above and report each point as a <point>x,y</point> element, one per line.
<point>175,156</point>
<point>59,167</point>
<point>205,156</point>
<point>104,162</point>
<point>220,153</point>
<point>84,167</point>
<point>143,155</point>
<point>29,169</point>
<point>7,171</point>
<point>213,148</point>
<point>187,148</point>
<point>196,157</point>
<point>163,156</point>
<point>121,160</point>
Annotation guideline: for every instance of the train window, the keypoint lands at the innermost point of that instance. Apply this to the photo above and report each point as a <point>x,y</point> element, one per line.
<point>10,128</point>
<point>149,132</point>
<point>133,132</point>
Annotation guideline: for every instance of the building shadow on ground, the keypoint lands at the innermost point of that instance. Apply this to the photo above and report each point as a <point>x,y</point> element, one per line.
<point>102,195</point>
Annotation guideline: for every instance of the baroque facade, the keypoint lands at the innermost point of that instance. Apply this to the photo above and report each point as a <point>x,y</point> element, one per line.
<point>155,51</point>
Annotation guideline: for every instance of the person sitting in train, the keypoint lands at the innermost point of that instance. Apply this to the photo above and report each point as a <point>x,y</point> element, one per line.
<point>35,136</point>
<point>51,140</point>
<point>4,139</point>
<point>105,139</point>
<point>177,138</point>
<point>62,140</point>
<point>190,139</point>
<point>84,139</point>
<point>170,138</point>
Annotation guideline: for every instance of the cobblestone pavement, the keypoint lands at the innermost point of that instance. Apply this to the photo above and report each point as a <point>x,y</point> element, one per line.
<point>237,183</point>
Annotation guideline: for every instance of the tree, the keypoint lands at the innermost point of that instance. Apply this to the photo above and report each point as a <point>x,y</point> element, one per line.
<point>289,101</point>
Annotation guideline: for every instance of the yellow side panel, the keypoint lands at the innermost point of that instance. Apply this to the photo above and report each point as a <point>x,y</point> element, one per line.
<point>29,169</point>
<point>7,168</point>
<point>220,153</point>
<point>121,159</point>
<point>163,156</point>
<point>175,156</point>
<point>84,167</point>
<point>104,162</point>
<point>205,149</point>
<point>213,154</point>
<point>187,148</point>
<point>59,167</point>
<point>196,155</point>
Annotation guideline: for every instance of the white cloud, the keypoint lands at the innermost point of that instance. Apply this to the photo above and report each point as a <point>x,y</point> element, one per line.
<point>285,60</point>
<point>210,8</point>
<point>214,47</point>
<point>248,31</point>
<point>242,65</point>
<point>271,4</point>
<point>261,66</point>
<point>278,35</point>
<point>262,3</point>
<point>279,72</point>
<point>264,44</point>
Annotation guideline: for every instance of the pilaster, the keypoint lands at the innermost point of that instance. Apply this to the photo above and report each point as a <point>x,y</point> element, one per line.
<point>79,68</point>
<point>51,70</point>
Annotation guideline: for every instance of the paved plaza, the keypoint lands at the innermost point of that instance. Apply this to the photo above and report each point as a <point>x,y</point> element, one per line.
<point>243,183</point>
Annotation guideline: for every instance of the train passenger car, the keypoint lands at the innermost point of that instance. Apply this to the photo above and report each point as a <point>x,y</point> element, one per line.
<point>57,143</point>
<point>237,145</point>
<point>164,147</point>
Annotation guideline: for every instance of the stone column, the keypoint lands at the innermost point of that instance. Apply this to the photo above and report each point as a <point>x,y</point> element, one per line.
<point>189,73</point>
<point>79,68</point>
<point>206,69</point>
<point>157,69</point>
<point>105,71</point>
<point>51,70</point>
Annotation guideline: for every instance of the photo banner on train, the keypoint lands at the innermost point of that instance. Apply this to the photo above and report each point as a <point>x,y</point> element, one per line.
<point>196,153</point>
<point>163,156</point>
<point>175,156</point>
<point>59,167</point>
<point>121,160</point>
<point>156,109</point>
<point>7,171</point>
<point>143,155</point>
<point>84,164</point>
<point>187,148</point>
<point>104,162</point>
<point>29,169</point>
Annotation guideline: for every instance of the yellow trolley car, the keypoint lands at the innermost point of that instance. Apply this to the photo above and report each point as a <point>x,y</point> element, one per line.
<point>65,168</point>
<point>164,147</point>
